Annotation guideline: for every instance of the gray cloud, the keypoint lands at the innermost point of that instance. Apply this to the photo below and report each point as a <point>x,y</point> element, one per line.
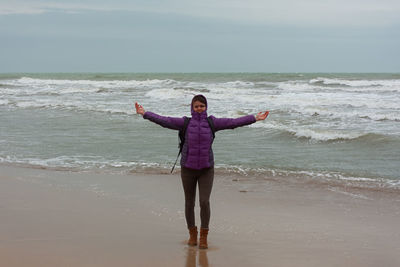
<point>41,7</point>
<point>186,36</point>
<point>276,12</point>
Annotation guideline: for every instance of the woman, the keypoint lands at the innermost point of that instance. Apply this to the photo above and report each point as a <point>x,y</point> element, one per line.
<point>197,161</point>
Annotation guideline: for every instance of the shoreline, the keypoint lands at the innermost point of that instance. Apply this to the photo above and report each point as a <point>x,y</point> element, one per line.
<point>68,218</point>
<point>239,174</point>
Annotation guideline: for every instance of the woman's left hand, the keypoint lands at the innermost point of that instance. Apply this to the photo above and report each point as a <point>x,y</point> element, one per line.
<point>262,115</point>
<point>139,109</point>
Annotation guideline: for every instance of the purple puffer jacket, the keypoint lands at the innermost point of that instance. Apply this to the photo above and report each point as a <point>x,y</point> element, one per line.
<point>197,152</point>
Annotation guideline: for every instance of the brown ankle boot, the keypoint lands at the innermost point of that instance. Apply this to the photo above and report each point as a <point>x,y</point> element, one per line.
<point>203,238</point>
<point>193,236</point>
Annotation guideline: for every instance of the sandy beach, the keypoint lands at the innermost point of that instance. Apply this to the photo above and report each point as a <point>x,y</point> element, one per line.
<point>60,218</point>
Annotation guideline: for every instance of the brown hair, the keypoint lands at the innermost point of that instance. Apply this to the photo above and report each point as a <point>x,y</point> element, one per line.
<point>199,98</point>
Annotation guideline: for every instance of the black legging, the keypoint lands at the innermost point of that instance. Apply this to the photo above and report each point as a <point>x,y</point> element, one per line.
<point>204,178</point>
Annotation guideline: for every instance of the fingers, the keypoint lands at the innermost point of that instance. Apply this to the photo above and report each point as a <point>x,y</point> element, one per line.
<point>139,108</point>
<point>262,115</point>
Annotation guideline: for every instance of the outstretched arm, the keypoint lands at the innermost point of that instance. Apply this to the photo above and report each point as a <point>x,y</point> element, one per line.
<point>230,123</point>
<point>166,122</point>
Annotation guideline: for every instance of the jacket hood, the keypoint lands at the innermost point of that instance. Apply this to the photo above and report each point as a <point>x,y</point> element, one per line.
<point>195,114</point>
<point>191,105</point>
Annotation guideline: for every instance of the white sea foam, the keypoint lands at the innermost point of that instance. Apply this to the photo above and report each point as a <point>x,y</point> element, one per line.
<point>349,115</point>
<point>353,195</point>
<point>82,163</point>
<point>294,93</point>
<point>297,86</point>
<point>310,133</point>
<point>105,83</point>
<point>324,135</point>
<point>168,93</point>
<point>76,106</point>
<point>395,83</point>
<point>311,99</point>
<point>331,178</point>
<point>390,116</point>
<point>238,84</point>
<point>359,88</point>
<point>96,162</point>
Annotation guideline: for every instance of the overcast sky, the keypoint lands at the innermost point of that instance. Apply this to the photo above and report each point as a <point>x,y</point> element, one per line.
<point>200,36</point>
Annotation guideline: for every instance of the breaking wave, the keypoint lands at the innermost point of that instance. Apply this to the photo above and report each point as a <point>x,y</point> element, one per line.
<point>395,83</point>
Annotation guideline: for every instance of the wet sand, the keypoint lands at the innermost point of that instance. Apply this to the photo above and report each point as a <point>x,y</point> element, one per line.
<point>60,218</point>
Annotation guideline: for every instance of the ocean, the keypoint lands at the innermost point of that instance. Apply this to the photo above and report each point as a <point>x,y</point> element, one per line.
<point>334,128</point>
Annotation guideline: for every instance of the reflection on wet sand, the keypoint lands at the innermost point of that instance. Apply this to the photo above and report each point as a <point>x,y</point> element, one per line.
<point>191,254</point>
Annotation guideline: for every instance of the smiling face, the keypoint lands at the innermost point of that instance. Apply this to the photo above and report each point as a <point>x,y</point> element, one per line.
<point>199,107</point>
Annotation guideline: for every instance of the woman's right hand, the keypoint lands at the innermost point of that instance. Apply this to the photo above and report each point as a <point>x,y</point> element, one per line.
<point>262,115</point>
<point>139,109</point>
